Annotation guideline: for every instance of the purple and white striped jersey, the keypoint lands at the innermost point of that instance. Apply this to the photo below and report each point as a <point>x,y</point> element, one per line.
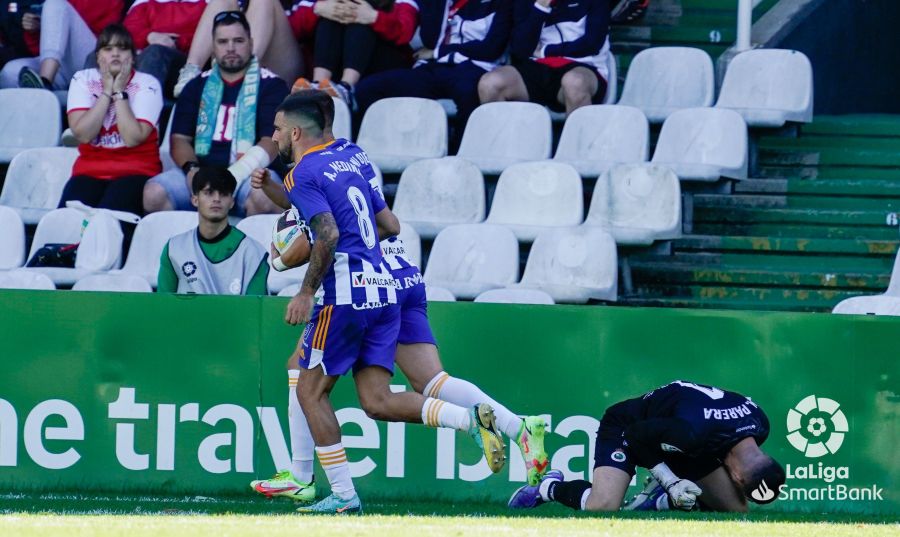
<point>334,178</point>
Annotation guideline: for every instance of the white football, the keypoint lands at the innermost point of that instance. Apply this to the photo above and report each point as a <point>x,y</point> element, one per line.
<point>287,229</point>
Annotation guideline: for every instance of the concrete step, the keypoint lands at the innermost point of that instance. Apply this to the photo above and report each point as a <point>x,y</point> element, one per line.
<point>776,229</point>
<point>717,296</point>
<point>796,202</point>
<point>793,245</point>
<point>821,187</point>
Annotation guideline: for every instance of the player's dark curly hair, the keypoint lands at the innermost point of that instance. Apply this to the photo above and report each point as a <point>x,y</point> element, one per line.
<point>764,482</point>
<point>218,178</point>
<point>314,105</point>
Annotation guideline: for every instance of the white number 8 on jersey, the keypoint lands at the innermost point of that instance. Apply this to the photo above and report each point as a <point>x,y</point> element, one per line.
<point>366,229</point>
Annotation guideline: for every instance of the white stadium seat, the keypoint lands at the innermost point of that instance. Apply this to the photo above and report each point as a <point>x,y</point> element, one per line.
<point>883,304</point>
<point>515,295</point>
<point>662,80</point>
<point>769,87</point>
<point>438,294</point>
<point>125,283</point>
<point>533,196</point>
<point>637,204</point>
<point>412,243</point>
<point>29,118</point>
<point>35,181</point>
<point>500,134</point>
<point>259,228</point>
<point>12,239</point>
<point>342,126</point>
<point>469,259</point>
<point>25,279</point>
<point>573,265</point>
<point>596,138</point>
<point>398,131</point>
<point>100,245</point>
<point>150,237</point>
<point>435,193</point>
<point>290,290</point>
<point>703,144</point>
<point>165,147</point>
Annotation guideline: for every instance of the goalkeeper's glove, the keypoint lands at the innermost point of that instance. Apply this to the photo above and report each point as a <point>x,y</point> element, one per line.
<point>682,492</point>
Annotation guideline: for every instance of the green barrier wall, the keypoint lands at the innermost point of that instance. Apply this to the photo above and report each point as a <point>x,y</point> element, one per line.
<point>147,393</point>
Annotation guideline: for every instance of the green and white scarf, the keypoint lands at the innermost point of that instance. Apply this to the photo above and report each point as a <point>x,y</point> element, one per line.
<point>245,113</point>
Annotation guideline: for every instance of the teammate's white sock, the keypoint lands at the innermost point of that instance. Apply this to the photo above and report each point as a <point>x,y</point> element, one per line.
<point>302,445</point>
<point>334,461</point>
<point>437,413</point>
<point>465,394</point>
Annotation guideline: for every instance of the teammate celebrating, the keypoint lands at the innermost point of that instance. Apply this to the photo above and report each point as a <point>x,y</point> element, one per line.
<point>694,439</point>
<point>356,322</point>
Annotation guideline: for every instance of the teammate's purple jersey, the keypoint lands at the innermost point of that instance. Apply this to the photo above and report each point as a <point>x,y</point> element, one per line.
<point>334,178</point>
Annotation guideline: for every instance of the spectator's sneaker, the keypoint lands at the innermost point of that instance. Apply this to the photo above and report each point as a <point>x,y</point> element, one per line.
<point>186,74</point>
<point>652,498</point>
<point>68,139</point>
<point>531,442</point>
<point>29,78</point>
<point>302,84</point>
<point>333,505</point>
<point>628,10</point>
<point>529,497</point>
<point>341,90</point>
<point>284,484</point>
<point>485,433</point>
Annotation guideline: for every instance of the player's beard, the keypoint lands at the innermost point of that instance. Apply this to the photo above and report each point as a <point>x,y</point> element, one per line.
<point>286,155</point>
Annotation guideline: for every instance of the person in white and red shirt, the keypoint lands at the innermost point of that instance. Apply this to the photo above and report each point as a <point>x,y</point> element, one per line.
<point>113,111</point>
<point>68,32</point>
<point>163,31</point>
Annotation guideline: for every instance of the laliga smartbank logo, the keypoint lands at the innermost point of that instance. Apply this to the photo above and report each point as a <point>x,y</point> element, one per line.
<point>817,427</point>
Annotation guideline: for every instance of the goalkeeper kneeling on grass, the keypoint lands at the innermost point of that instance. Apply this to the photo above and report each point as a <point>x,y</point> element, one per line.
<point>700,443</point>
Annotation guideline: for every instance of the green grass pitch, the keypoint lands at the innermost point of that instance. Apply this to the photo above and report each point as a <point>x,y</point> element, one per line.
<point>40,515</point>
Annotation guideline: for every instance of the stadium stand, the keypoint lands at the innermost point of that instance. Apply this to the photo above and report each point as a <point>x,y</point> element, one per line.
<point>573,265</point>
<point>150,237</point>
<point>664,80</point>
<point>438,294</point>
<point>124,283</point>
<point>29,118</point>
<point>35,181</point>
<point>12,239</point>
<point>703,144</point>
<point>887,303</point>
<point>500,134</point>
<point>769,87</point>
<point>533,196</point>
<point>412,243</point>
<point>596,138</point>
<point>398,131</point>
<point>637,204</point>
<point>25,279</point>
<point>342,127</point>
<point>469,259</point>
<point>435,193</point>
<point>515,296</point>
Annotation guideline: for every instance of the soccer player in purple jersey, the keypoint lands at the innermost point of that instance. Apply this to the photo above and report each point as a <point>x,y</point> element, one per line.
<point>356,321</point>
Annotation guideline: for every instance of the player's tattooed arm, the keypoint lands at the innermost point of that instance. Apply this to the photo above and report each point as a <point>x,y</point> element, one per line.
<point>326,233</point>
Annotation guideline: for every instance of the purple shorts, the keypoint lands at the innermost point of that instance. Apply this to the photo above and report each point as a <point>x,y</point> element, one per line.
<point>339,338</point>
<point>414,327</point>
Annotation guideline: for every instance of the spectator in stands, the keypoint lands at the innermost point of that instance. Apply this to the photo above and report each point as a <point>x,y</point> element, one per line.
<point>113,112</point>
<point>277,34</point>
<point>68,33</point>
<point>163,30</point>
<point>452,61</point>
<point>226,118</point>
<point>215,258</point>
<point>559,55</point>
<point>355,38</point>
<point>19,37</point>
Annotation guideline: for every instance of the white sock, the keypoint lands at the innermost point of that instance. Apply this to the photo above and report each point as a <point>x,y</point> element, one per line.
<point>437,413</point>
<point>302,445</point>
<point>584,498</point>
<point>334,461</point>
<point>544,488</point>
<point>465,394</point>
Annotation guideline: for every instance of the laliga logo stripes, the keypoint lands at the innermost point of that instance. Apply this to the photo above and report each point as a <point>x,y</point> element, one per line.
<point>762,493</point>
<point>807,433</point>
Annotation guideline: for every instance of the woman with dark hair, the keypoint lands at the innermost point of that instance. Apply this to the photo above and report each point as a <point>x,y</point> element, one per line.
<point>113,112</point>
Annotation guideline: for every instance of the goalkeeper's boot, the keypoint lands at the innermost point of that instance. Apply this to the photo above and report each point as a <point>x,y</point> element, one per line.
<point>333,505</point>
<point>529,497</point>
<point>652,498</point>
<point>485,433</point>
<point>284,484</point>
<point>531,443</point>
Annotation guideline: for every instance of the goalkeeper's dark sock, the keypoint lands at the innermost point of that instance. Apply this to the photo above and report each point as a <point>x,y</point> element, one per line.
<point>570,493</point>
